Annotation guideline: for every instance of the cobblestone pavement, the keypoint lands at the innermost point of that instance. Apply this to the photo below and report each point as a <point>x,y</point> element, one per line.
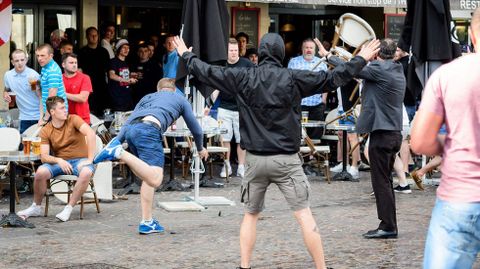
<point>209,239</point>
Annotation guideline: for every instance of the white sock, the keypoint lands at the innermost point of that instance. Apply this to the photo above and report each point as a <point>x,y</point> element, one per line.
<point>404,185</point>
<point>147,221</point>
<point>69,208</point>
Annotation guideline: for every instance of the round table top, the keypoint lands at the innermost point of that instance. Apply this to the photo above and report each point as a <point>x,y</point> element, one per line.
<point>313,124</point>
<point>341,127</point>
<point>17,156</point>
<point>186,132</point>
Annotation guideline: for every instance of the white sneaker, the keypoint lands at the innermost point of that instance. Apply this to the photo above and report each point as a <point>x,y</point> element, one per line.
<point>33,211</point>
<point>223,173</point>
<point>352,170</point>
<point>65,214</point>
<point>241,170</point>
<point>338,168</point>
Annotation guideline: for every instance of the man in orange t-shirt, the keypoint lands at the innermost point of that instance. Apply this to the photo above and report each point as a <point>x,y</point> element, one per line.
<point>71,154</point>
<point>77,86</point>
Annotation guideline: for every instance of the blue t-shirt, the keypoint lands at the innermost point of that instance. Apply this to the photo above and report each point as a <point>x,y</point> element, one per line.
<point>170,64</point>
<point>52,78</point>
<point>26,99</point>
<point>167,107</point>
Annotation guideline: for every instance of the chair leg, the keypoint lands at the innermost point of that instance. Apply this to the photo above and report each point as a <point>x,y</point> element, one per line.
<point>327,168</point>
<point>92,186</point>
<point>47,199</point>
<point>81,207</point>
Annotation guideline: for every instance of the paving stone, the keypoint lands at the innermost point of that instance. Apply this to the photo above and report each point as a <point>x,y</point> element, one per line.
<point>209,239</point>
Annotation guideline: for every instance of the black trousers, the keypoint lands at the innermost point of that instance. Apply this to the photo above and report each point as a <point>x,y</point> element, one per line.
<point>315,113</point>
<point>382,149</point>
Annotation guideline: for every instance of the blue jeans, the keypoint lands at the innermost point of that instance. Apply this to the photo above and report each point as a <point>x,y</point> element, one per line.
<point>453,238</point>
<point>145,142</point>
<point>56,170</point>
<point>25,124</point>
<point>411,110</point>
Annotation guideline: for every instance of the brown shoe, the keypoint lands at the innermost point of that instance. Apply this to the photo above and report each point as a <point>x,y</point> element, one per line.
<point>417,179</point>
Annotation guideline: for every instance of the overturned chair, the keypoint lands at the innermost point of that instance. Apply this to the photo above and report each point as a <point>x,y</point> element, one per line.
<point>319,152</point>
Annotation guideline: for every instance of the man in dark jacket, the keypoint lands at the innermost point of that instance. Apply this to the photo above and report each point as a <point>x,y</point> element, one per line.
<point>381,116</point>
<point>268,98</point>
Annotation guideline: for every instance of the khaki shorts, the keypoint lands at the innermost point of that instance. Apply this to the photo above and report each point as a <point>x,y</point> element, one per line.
<point>284,170</point>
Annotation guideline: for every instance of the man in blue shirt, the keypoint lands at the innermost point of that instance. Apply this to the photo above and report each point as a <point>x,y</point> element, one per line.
<point>143,132</point>
<point>170,60</point>
<point>51,81</point>
<point>17,81</point>
<point>315,104</point>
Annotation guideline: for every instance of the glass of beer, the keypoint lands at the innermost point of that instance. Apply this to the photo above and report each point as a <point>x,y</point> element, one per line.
<point>27,143</point>
<point>36,145</point>
<point>33,83</point>
<point>305,116</point>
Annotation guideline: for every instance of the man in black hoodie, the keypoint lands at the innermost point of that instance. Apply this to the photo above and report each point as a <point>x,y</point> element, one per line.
<point>268,98</point>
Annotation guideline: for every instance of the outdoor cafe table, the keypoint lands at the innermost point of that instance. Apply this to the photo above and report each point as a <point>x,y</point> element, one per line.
<point>343,175</point>
<point>12,220</point>
<point>313,124</point>
<point>171,135</point>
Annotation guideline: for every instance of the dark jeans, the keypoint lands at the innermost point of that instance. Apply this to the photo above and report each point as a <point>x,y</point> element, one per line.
<point>315,113</point>
<point>382,149</point>
<point>25,124</point>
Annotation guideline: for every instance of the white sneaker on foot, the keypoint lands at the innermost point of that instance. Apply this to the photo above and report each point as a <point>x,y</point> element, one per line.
<point>223,173</point>
<point>338,168</point>
<point>33,211</point>
<point>352,170</point>
<point>65,214</point>
<point>241,170</point>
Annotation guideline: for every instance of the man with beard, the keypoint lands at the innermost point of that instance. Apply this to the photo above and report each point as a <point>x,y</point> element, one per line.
<point>315,104</point>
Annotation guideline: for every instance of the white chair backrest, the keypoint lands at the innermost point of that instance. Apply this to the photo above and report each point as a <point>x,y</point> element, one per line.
<point>331,115</point>
<point>99,145</point>
<point>32,131</point>
<point>353,30</point>
<point>9,139</point>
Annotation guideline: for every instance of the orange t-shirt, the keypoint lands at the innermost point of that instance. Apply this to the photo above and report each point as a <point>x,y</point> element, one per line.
<point>66,142</point>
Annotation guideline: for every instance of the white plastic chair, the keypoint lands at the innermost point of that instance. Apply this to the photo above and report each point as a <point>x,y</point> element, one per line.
<point>62,186</point>
<point>353,31</point>
<point>10,139</point>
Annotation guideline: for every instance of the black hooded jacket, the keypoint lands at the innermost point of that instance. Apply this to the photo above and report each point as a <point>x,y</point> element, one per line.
<point>269,95</point>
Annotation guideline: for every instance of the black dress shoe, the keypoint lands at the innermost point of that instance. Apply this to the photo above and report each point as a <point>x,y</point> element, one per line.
<point>377,233</point>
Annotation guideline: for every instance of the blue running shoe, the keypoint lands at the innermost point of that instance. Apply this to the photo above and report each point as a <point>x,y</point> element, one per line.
<point>110,152</point>
<point>152,227</point>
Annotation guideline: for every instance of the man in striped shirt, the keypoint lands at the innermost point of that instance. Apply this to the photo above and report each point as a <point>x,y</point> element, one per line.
<point>315,104</point>
<point>51,77</point>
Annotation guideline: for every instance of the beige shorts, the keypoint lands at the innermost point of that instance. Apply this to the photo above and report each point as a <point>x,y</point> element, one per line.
<point>284,170</point>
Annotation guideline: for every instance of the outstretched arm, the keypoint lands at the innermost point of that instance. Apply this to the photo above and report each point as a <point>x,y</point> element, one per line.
<point>217,77</point>
<point>311,83</point>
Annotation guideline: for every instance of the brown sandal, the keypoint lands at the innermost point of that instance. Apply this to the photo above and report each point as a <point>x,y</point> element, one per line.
<point>417,179</point>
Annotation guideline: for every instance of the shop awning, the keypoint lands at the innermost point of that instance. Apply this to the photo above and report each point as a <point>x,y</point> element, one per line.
<point>454,4</point>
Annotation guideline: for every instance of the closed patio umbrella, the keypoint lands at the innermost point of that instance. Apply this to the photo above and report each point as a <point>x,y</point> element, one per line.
<point>427,33</point>
<point>205,28</point>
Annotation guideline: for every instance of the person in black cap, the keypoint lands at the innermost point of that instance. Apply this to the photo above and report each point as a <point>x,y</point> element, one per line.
<point>252,55</point>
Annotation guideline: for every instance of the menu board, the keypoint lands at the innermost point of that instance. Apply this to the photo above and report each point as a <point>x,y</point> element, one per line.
<point>246,20</point>
<point>394,26</point>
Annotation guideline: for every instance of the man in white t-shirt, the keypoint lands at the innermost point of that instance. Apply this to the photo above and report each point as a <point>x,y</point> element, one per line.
<point>17,81</point>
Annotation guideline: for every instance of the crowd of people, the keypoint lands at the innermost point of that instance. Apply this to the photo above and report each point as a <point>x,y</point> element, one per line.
<point>260,105</point>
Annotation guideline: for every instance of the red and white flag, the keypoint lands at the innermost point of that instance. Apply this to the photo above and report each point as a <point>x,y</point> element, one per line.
<point>5,20</point>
